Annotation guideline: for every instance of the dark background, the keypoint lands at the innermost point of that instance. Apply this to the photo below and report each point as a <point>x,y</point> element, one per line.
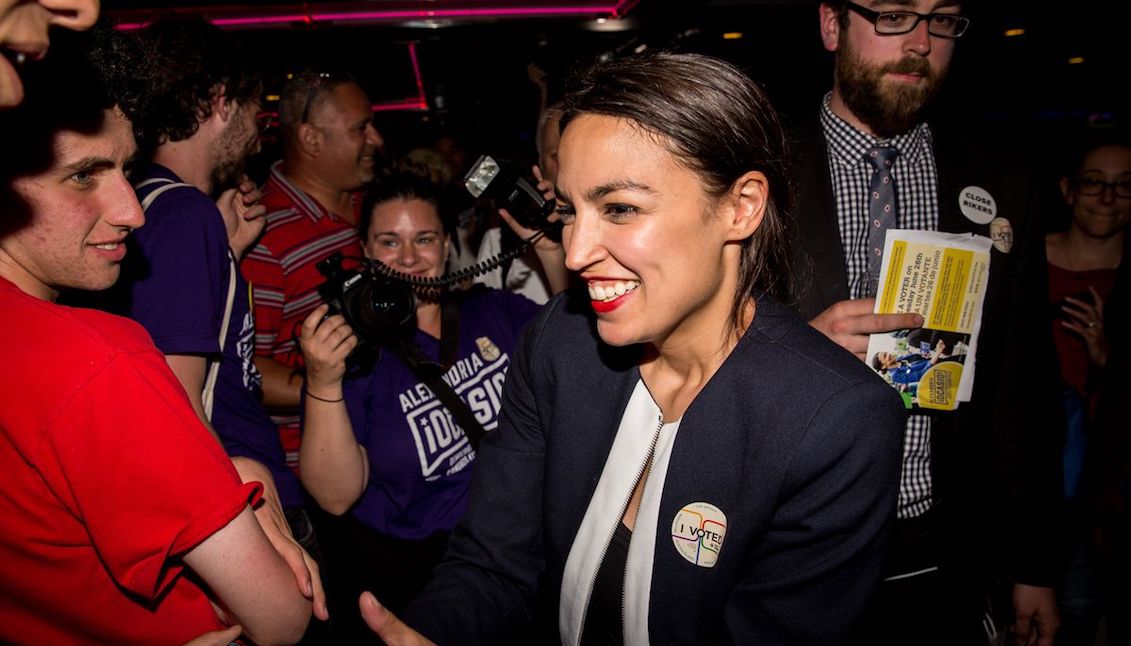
<point>475,82</point>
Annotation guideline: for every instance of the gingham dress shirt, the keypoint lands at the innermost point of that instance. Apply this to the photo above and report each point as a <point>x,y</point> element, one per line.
<point>915,179</point>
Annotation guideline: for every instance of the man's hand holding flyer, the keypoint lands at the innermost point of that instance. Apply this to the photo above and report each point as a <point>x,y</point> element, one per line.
<point>943,277</point>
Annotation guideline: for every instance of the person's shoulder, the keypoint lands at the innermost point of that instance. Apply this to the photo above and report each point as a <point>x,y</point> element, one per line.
<point>482,302</point>
<point>279,206</point>
<point>181,207</point>
<point>802,354</point>
<point>978,145</point>
<point>81,332</point>
<point>278,202</point>
<point>488,296</point>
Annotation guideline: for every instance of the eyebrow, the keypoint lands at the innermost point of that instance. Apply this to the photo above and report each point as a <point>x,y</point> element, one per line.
<point>597,192</point>
<point>418,233</point>
<point>907,4</point>
<point>89,163</point>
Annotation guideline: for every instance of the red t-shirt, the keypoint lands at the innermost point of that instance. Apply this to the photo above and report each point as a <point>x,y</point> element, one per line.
<point>108,479</point>
<point>282,269</point>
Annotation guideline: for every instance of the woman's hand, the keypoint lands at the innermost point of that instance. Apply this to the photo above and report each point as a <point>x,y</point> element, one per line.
<point>333,467</point>
<point>550,252</point>
<point>544,243</point>
<point>326,342</point>
<point>1087,320</point>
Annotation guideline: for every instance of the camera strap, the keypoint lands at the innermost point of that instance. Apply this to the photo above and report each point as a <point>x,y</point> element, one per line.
<point>432,374</point>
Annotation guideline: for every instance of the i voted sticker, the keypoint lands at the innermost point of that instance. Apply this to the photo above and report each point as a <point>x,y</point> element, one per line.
<point>1001,232</point>
<point>698,532</point>
<point>977,204</point>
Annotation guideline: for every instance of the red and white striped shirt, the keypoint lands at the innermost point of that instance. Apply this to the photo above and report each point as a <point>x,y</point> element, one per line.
<point>299,234</point>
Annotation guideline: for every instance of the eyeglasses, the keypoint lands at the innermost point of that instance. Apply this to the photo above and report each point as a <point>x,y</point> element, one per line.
<point>319,79</point>
<point>1092,186</point>
<point>891,23</point>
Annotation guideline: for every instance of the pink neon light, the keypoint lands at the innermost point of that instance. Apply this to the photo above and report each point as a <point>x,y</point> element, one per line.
<point>461,13</point>
<point>416,72</point>
<point>353,16</point>
<point>407,104</point>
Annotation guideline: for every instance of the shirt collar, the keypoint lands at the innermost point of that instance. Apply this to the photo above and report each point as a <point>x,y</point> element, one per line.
<point>848,144</point>
<point>307,205</point>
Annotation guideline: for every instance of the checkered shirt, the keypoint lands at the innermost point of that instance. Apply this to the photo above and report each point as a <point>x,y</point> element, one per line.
<point>915,179</point>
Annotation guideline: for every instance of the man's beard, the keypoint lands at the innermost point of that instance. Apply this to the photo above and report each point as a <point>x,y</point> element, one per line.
<point>230,157</point>
<point>889,108</point>
<point>227,174</point>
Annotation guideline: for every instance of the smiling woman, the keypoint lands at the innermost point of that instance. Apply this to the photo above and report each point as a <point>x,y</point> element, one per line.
<point>382,443</point>
<point>678,457</point>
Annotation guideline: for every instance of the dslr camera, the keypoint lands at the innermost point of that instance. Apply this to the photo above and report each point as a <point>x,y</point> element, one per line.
<point>502,180</point>
<point>375,305</point>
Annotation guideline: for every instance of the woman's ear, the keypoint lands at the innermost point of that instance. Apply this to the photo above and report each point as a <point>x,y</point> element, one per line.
<point>748,198</point>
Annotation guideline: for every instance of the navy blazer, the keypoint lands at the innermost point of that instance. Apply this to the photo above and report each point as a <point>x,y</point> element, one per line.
<point>996,460</point>
<point>795,440</point>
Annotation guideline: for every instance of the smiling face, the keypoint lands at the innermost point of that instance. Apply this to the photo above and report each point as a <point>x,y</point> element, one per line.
<point>883,82</point>
<point>81,210</point>
<point>23,35</point>
<point>349,140</point>
<point>1104,215</point>
<point>659,255</point>
<point>408,236</point>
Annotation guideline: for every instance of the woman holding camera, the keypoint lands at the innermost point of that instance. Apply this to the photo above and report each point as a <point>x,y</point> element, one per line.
<point>381,442</point>
<point>679,458</point>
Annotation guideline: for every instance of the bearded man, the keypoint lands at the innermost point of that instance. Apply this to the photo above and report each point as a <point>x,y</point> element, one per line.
<point>979,494</point>
<point>197,125</point>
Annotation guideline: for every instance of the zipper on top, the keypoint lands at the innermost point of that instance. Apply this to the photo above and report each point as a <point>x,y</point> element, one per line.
<point>620,519</point>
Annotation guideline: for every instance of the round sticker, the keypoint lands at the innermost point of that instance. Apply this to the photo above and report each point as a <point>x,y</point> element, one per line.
<point>487,348</point>
<point>977,204</point>
<point>698,532</point>
<point>1001,232</point>
<point>938,388</point>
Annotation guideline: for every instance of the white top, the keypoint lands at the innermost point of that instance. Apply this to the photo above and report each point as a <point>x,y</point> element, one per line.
<point>641,435</point>
<point>521,277</point>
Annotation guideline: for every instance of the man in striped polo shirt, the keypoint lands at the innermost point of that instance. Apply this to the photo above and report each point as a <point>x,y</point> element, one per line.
<point>329,146</point>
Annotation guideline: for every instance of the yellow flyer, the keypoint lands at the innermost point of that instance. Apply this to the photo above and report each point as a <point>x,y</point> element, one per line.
<point>943,277</point>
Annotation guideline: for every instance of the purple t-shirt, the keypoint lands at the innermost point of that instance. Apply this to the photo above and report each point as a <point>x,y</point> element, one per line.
<point>419,459</point>
<point>177,282</point>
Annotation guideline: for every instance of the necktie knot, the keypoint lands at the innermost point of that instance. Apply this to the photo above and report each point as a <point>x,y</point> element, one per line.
<point>881,157</point>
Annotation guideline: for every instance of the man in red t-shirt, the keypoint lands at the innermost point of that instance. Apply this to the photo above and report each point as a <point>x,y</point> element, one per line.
<point>329,147</point>
<point>112,485</point>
